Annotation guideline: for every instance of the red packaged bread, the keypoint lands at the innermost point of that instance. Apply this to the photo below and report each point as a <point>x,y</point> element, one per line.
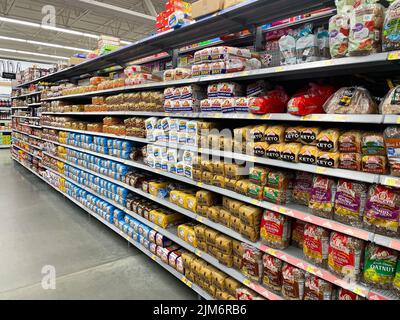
<point>292,282</point>
<point>272,276</point>
<point>316,244</point>
<point>274,101</point>
<point>317,289</point>
<point>310,100</point>
<point>275,229</point>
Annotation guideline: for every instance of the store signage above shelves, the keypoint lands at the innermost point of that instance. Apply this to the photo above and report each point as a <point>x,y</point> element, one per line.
<point>9,75</point>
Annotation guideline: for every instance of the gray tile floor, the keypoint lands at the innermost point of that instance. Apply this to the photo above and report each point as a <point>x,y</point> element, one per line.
<point>40,227</point>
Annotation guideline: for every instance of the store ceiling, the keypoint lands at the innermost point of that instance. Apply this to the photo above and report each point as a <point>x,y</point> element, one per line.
<point>128,19</point>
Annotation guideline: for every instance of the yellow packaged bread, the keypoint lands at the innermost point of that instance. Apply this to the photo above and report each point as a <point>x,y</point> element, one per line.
<point>292,134</point>
<point>251,233</point>
<point>328,140</point>
<point>235,171</point>
<point>240,147</point>
<point>174,196</point>
<point>257,133</point>
<point>328,159</point>
<point>224,217</point>
<point>190,203</point>
<point>219,168</point>
<point>211,236</point>
<point>250,215</point>
<point>308,155</point>
<point>218,181</point>
<point>230,184</point>
<point>212,250</point>
<point>197,175</point>
<point>207,165</point>
<point>191,237</point>
<point>213,213</point>
<point>242,134</point>
<point>290,152</point>
<point>165,219</point>
<point>202,210</point>
<point>154,187</point>
<point>206,198</point>
<point>231,285</point>
<point>235,224</point>
<point>274,151</point>
<point>199,231</point>
<point>218,280</point>
<point>202,246</point>
<point>237,248</point>
<point>237,262</point>
<point>259,148</point>
<point>183,231</point>
<point>242,186</point>
<point>225,259</point>
<point>309,135</point>
<point>275,134</point>
<point>232,205</point>
<point>207,177</point>
<point>224,244</point>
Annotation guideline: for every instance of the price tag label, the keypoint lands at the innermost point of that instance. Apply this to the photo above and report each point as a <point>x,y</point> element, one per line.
<point>282,210</point>
<point>184,280</point>
<point>358,290</point>
<point>197,253</point>
<point>392,182</point>
<point>321,170</point>
<point>329,62</point>
<point>255,202</point>
<point>188,283</point>
<point>200,219</point>
<point>339,118</point>
<point>128,238</point>
<point>398,120</point>
<point>154,257</point>
<point>200,184</point>
<point>395,55</point>
<point>310,269</point>
<point>279,69</point>
<point>246,282</point>
<point>266,117</point>
<point>156,228</point>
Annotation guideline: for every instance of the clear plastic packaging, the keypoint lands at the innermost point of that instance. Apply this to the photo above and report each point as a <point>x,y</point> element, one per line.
<point>391,102</point>
<point>275,230</point>
<point>351,100</point>
<point>391,28</point>
<point>392,142</point>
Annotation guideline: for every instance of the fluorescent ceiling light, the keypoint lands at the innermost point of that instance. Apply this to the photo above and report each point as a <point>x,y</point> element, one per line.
<point>34,54</point>
<point>63,30</point>
<point>46,44</point>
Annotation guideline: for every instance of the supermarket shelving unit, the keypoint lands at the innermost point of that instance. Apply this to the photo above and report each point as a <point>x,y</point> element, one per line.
<point>250,14</point>
<point>5,121</point>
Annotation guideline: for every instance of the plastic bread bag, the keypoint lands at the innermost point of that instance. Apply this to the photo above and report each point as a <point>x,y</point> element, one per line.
<point>316,244</point>
<point>323,44</point>
<point>292,282</point>
<point>307,46</point>
<point>287,47</point>
<point>392,142</point>
<point>308,155</point>
<point>316,288</point>
<point>323,196</point>
<point>366,22</point>
<point>272,276</point>
<point>339,30</point>
<point>396,281</point>
<point>351,100</point>
<point>350,200</point>
<point>379,266</point>
<point>274,101</point>
<point>275,230</point>
<point>381,214</point>
<point>391,28</point>
<point>302,188</point>
<point>391,102</point>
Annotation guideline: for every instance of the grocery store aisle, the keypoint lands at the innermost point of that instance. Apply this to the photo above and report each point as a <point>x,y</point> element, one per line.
<point>41,228</point>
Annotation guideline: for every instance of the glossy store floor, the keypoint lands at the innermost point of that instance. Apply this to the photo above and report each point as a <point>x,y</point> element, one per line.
<point>41,228</point>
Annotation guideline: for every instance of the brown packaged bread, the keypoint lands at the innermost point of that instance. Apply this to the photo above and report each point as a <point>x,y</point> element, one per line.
<point>232,205</point>
<point>374,164</point>
<point>250,215</point>
<point>225,259</point>
<point>199,231</point>
<point>202,210</point>
<point>219,168</point>
<point>350,142</point>
<point>392,142</point>
<point>252,263</point>
<point>391,102</point>
<point>230,184</point>
<point>218,181</point>
<point>272,275</point>
<point>298,233</point>
<point>275,230</point>
<point>237,248</point>
<point>235,224</point>
<point>350,161</point>
<point>197,175</point>
<point>235,171</point>
<point>351,100</point>
<point>316,288</point>
<point>218,279</point>
<point>207,177</point>
<point>373,144</point>
<point>292,282</point>
<point>316,244</point>
<point>350,200</point>
<point>202,246</point>
<point>251,233</point>
<point>302,187</point>
<point>237,262</point>
<point>211,236</point>
<point>345,256</point>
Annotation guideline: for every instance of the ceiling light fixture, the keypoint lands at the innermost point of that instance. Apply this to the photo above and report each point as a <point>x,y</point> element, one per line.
<point>63,30</point>
<point>34,53</point>
<point>46,44</point>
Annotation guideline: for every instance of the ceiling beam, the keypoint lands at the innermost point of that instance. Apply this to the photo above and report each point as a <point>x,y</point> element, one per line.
<point>106,9</point>
<point>150,7</point>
